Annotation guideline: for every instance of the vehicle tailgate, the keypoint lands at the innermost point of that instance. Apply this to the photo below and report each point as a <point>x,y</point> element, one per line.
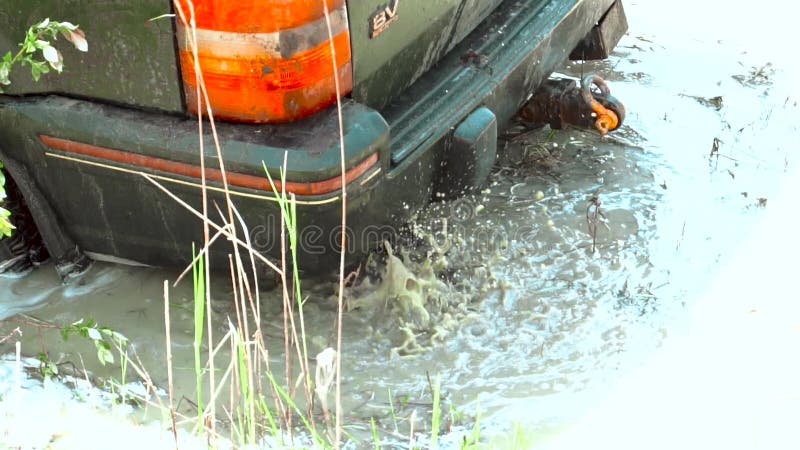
<point>418,34</point>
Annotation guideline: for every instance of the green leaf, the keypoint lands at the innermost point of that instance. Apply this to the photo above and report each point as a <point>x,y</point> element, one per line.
<point>66,25</point>
<point>94,334</point>
<point>5,225</point>
<point>78,39</point>
<point>53,56</point>
<point>5,70</point>
<point>36,71</point>
<point>30,45</point>
<point>119,337</point>
<point>104,355</point>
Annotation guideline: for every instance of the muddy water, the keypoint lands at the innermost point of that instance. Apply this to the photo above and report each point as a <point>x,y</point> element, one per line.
<point>501,293</point>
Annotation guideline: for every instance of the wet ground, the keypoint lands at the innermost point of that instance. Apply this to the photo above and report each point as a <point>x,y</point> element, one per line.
<point>502,295</point>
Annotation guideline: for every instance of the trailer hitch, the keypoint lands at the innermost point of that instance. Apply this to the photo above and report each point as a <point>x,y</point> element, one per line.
<point>562,102</point>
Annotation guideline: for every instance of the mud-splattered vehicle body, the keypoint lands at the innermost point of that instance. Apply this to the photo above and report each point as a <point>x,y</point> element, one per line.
<point>426,84</point>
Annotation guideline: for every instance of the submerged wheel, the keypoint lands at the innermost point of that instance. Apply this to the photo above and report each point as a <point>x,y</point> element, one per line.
<point>24,249</point>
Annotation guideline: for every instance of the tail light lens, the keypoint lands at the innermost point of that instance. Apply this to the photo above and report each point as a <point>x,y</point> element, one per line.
<point>266,61</point>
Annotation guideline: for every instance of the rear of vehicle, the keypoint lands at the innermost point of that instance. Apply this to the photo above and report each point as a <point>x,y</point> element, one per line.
<point>425,84</point>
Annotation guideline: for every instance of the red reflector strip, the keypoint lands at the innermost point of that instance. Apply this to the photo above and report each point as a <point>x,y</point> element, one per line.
<point>191,170</point>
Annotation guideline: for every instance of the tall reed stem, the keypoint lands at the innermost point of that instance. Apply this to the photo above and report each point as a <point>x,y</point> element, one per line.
<point>340,299</point>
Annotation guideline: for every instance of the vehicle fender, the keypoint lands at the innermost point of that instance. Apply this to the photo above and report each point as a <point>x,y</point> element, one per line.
<point>67,256</point>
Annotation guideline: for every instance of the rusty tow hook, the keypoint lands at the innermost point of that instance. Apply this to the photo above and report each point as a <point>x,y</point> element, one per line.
<point>561,102</point>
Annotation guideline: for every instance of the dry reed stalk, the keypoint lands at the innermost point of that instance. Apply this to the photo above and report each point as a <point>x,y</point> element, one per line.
<point>200,254</point>
<point>302,354</point>
<point>10,334</point>
<point>200,89</point>
<point>251,369</point>
<point>257,341</point>
<point>340,299</point>
<point>150,387</point>
<point>241,320</point>
<point>18,369</point>
<point>593,216</point>
<point>170,390</point>
<point>254,301</point>
<point>136,364</point>
<point>411,431</point>
<point>85,372</point>
<point>232,399</point>
<point>233,388</point>
<point>214,394</point>
<point>286,311</point>
<point>242,287</point>
<point>282,408</point>
<point>239,312</point>
<point>210,223</point>
<point>252,294</point>
<point>138,367</point>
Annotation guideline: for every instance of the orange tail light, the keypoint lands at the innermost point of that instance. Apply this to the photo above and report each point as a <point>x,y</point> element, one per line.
<point>266,61</point>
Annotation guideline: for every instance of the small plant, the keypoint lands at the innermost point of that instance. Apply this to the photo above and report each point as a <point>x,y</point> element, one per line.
<point>102,337</point>
<point>472,441</point>
<point>47,368</point>
<point>36,39</point>
<point>5,223</point>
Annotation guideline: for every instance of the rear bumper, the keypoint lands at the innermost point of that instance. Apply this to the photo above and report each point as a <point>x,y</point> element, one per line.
<point>496,66</point>
<point>104,203</point>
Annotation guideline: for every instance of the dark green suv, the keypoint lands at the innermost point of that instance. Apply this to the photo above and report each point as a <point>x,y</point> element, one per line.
<point>427,85</point>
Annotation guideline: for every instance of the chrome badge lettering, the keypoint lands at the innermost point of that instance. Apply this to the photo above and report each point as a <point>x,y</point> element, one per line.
<point>382,18</point>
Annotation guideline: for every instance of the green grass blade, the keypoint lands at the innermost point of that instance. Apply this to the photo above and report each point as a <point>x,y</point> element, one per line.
<point>199,284</point>
<point>437,411</point>
<point>375,440</point>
